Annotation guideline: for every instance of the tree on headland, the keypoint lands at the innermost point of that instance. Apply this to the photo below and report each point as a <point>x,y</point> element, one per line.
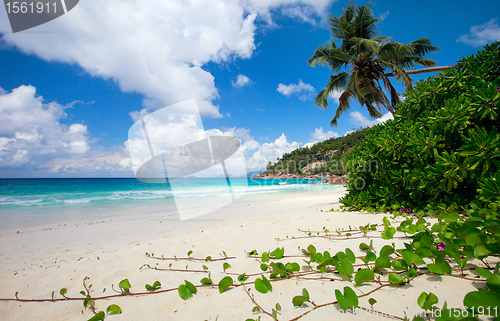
<point>365,58</point>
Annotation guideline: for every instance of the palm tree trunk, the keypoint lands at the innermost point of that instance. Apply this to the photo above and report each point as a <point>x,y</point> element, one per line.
<point>420,71</point>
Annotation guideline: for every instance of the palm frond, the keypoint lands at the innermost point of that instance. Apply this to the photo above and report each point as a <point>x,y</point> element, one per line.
<point>395,99</point>
<point>423,46</point>
<point>330,55</point>
<point>344,104</point>
<point>400,74</point>
<point>337,82</point>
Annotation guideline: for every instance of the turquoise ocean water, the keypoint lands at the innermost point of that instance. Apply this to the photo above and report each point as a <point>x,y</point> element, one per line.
<point>29,202</point>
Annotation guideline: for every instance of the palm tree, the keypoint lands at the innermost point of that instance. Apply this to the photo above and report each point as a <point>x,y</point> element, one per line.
<point>365,59</point>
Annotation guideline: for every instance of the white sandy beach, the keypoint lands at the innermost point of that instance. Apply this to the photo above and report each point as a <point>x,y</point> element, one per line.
<point>42,259</point>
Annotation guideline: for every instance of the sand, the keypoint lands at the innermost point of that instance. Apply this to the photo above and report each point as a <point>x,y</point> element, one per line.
<point>38,260</point>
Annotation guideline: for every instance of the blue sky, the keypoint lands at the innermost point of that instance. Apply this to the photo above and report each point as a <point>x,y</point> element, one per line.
<point>72,88</point>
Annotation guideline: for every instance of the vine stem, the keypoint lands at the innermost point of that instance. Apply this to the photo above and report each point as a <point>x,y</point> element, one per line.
<point>190,258</point>
<point>255,302</point>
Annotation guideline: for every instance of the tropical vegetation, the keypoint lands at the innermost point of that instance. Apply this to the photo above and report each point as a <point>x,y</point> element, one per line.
<point>331,152</point>
<point>443,146</point>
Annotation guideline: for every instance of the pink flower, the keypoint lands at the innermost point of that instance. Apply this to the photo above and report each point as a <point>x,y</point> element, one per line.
<point>408,210</point>
<point>441,246</point>
<point>402,210</point>
<point>462,257</point>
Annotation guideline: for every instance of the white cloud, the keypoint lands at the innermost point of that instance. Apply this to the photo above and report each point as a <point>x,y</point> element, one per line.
<point>155,47</point>
<point>319,135</point>
<point>358,119</point>
<point>31,132</point>
<point>482,34</point>
<point>347,133</point>
<point>384,15</point>
<point>336,95</point>
<point>242,81</point>
<point>304,91</point>
<point>258,158</point>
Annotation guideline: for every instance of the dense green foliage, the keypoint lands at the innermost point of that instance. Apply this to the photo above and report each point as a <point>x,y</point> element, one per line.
<point>331,151</point>
<point>441,148</point>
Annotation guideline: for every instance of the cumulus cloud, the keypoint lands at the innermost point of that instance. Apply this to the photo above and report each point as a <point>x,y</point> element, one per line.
<point>320,135</point>
<point>242,81</point>
<point>31,131</point>
<point>304,91</point>
<point>358,119</point>
<point>258,159</point>
<point>384,15</point>
<point>482,34</point>
<point>154,47</point>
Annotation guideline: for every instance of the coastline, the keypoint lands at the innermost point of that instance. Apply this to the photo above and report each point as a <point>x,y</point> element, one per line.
<point>40,260</point>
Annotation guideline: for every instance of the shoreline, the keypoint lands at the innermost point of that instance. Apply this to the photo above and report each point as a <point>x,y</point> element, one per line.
<point>41,261</point>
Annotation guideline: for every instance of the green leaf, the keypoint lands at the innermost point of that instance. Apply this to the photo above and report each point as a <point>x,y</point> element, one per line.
<point>113,309</point>
<point>341,300</point>
<point>347,266</point>
<point>264,267</point>
<point>351,297</point>
<point>191,287</point>
<point>364,247</point>
<point>292,267</point>
<point>382,262</point>
<point>208,258</point>
<point>481,252</point>
<point>363,275</point>
<point>396,278</point>
<point>278,253</point>
<point>411,258</point>
<point>305,294</point>
<point>311,249</point>
<point>483,272</point>
<point>386,250</point>
<point>493,283</point>
<point>189,253</point>
<point>412,273</point>
<point>184,292</point>
<point>265,256</point>
<point>370,256</point>
<point>259,286</point>
<point>226,266</point>
<point>98,317</point>
<point>278,307</point>
<point>298,300</point>
<point>156,285</point>
<point>255,309</point>
<point>489,301</point>
<point>350,255</point>
<point>242,277</point>
<point>206,281</point>
<point>225,283</point>
<point>125,285</point>
<point>440,267</point>
<point>372,301</point>
<point>267,283</point>
<point>63,291</point>
<point>399,265</point>
<point>425,301</point>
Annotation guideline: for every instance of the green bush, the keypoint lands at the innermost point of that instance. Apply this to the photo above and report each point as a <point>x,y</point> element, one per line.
<point>442,148</point>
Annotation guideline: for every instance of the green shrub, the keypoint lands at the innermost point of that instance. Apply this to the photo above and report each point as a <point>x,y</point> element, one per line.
<point>442,148</point>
